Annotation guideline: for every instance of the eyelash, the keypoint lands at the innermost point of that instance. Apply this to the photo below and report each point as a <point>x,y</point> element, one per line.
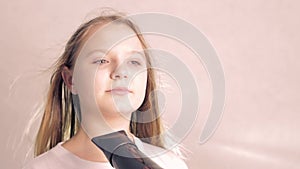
<point>101,61</point>
<point>135,62</point>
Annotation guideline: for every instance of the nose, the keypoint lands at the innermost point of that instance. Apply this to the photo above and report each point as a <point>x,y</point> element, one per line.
<point>119,72</point>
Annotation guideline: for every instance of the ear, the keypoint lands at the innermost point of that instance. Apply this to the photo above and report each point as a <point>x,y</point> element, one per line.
<point>67,76</point>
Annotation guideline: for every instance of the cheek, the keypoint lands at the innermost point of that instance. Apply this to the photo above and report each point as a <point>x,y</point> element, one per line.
<point>100,80</point>
<point>84,81</point>
<point>98,86</point>
<point>139,84</point>
<point>142,82</point>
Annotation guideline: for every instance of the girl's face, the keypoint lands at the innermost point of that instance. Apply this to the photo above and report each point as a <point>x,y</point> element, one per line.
<point>110,74</point>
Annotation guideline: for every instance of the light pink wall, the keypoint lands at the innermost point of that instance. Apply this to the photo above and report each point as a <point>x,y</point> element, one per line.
<point>258,46</point>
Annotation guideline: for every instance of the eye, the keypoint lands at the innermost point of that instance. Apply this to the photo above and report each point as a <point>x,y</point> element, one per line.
<point>101,61</point>
<point>134,62</point>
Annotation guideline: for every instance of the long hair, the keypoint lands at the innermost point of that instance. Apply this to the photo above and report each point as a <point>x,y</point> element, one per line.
<point>59,122</point>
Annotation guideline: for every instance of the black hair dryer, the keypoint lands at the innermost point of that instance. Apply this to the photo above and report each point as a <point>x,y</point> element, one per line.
<point>122,153</point>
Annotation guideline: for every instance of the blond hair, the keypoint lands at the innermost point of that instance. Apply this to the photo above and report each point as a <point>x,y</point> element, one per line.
<point>59,122</point>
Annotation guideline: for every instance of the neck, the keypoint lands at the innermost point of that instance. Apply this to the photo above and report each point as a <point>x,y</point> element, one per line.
<point>118,123</point>
<point>82,146</point>
<point>97,125</point>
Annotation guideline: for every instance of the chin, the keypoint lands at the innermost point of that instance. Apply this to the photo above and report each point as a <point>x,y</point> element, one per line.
<point>116,112</point>
<point>125,111</point>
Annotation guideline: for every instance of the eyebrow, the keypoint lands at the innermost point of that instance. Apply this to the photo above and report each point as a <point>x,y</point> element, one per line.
<point>107,51</point>
<point>96,51</point>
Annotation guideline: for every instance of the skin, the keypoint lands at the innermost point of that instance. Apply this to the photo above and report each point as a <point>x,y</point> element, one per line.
<point>110,79</point>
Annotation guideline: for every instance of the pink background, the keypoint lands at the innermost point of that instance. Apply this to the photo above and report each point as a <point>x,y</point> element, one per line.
<point>258,46</point>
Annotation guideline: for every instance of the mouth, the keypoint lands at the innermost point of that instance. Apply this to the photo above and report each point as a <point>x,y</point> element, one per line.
<point>119,91</point>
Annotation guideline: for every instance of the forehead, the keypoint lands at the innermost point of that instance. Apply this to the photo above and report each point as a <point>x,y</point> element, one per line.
<point>112,35</point>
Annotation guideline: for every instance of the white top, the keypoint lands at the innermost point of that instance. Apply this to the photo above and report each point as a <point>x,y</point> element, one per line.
<point>60,158</point>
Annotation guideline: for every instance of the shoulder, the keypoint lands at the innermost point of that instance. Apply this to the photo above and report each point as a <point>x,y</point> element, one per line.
<point>55,158</point>
<point>164,158</point>
<point>60,158</point>
<point>43,161</point>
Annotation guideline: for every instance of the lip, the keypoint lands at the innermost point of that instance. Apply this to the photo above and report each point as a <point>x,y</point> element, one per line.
<point>119,91</point>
